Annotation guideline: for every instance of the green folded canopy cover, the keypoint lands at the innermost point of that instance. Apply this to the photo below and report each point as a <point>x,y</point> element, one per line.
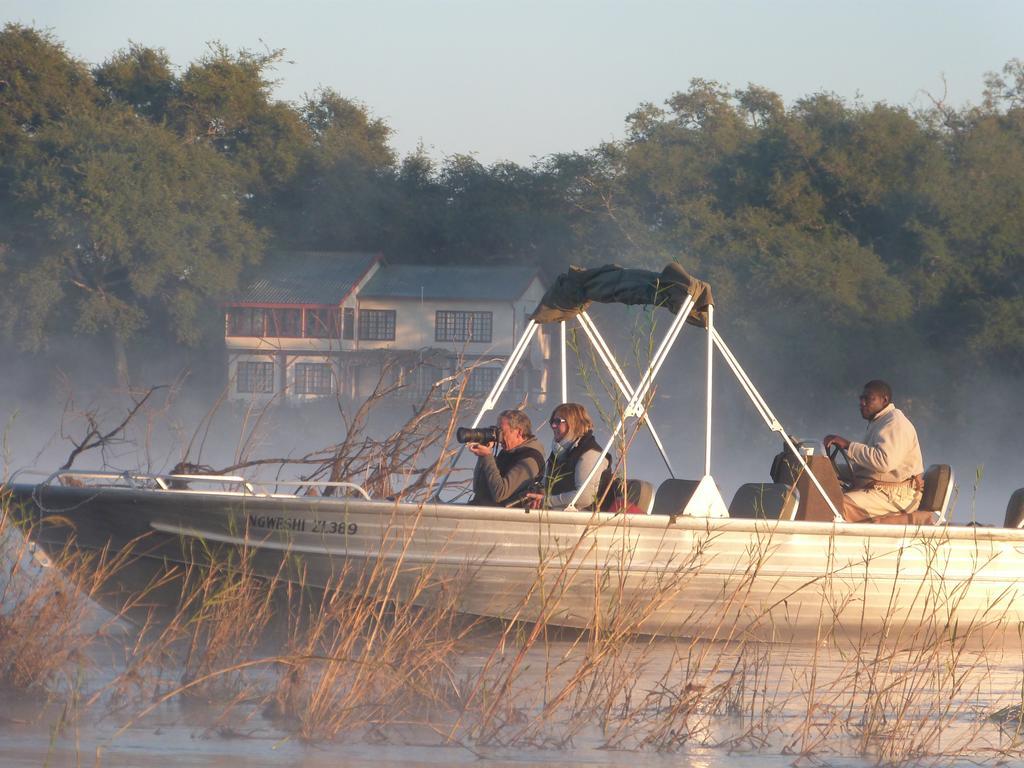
<point>573,291</point>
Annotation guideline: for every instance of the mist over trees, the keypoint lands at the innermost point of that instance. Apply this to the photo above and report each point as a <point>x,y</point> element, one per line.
<point>845,237</point>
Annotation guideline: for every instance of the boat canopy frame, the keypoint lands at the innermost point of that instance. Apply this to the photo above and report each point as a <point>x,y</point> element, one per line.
<point>689,300</point>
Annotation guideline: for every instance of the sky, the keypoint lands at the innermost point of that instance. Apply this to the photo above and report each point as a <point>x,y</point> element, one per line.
<point>521,80</point>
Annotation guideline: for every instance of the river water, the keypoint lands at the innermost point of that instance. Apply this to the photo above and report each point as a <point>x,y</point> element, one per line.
<point>227,687</point>
<point>790,706</point>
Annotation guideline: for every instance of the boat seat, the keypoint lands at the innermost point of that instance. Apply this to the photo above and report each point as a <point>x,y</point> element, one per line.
<point>673,496</point>
<point>1015,510</point>
<point>637,492</point>
<point>763,501</point>
<point>938,490</point>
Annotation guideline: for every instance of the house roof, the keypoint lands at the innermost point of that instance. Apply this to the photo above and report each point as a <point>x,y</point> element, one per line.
<point>308,277</point>
<point>478,283</point>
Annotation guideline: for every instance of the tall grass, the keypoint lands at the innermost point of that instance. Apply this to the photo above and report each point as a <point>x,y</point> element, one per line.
<point>377,653</point>
<point>380,650</point>
<point>48,623</point>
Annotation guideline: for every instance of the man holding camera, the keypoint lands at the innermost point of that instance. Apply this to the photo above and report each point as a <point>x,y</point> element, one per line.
<point>503,480</point>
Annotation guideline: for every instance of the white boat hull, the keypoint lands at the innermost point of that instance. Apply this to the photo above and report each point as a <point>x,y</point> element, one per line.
<point>714,578</point>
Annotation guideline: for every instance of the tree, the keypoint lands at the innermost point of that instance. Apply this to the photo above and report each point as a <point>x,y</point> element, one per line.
<point>132,229</point>
<point>343,130</point>
<point>342,194</point>
<point>39,83</point>
<point>223,100</point>
<point>143,79</point>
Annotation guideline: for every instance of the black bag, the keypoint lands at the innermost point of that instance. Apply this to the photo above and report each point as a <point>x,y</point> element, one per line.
<point>605,496</point>
<point>785,467</point>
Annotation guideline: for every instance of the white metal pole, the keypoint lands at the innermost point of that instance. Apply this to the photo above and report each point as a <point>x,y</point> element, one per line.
<point>766,413</point>
<point>662,353</point>
<point>507,370</point>
<point>565,381</point>
<point>748,386</point>
<point>641,390</point>
<point>707,423</point>
<point>605,353</point>
<point>495,393</point>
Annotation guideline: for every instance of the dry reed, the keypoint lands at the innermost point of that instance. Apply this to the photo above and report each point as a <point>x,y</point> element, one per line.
<point>374,651</point>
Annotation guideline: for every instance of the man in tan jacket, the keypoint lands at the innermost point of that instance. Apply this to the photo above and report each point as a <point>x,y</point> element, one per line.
<point>887,466</point>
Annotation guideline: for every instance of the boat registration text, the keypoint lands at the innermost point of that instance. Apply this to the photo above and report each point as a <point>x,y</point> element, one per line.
<point>301,525</point>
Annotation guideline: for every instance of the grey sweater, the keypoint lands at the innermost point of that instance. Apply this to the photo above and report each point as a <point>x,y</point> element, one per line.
<point>491,486</point>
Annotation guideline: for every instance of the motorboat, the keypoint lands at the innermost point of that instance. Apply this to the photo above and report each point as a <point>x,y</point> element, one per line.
<point>778,562</point>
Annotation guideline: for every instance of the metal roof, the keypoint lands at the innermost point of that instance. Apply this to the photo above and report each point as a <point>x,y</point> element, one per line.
<point>308,277</point>
<point>479,283</point>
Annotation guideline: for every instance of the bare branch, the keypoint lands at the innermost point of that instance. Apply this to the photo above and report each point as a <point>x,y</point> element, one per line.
<point>93,436</point>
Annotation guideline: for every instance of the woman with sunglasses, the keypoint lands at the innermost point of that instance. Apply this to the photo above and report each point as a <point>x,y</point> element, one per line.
<point>574,454</point>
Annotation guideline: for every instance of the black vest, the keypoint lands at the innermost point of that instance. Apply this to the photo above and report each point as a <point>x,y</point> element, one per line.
<point>560,472</point>
<point>505,460</point>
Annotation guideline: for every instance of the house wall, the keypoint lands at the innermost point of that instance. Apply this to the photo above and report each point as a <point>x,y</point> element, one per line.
<point>415,328</point>
<point>415,323</point>
<point>284,353</point>
<point>237,359</point>
<point>292,390</point>
<point>272,345</point>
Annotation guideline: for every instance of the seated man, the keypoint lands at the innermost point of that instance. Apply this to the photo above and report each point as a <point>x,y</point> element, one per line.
<point>887,466</point>
<point>504,480</point>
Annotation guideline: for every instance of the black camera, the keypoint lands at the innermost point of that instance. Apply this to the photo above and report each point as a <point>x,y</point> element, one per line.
<point>482,435</point>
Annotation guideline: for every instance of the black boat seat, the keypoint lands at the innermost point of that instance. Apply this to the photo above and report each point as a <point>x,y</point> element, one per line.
<point>673,495</point>
<point>763,501</point>
<point>1015,510</point>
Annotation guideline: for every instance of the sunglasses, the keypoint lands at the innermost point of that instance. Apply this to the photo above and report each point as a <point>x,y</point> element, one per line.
<point>556,422</point>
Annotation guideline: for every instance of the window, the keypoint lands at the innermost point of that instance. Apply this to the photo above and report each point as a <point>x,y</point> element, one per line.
<point>285,323</point>
<point>322,323</point>
<point>314,379</point>
<point>481,381</point>
<point>245,321</point>
<point>377,324</point>
<point>255,377</point>
<point>348,324</point>
<point>462,326</point>
<point>429,376</point>
<point>419,380</point>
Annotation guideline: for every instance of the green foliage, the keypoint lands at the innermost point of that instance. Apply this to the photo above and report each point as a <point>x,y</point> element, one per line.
<point>141,78</point>
<point>343,131</point>
<point>130,226</point>
<point>340,194</point>
<point>41,82</point>
<point>133,198</point>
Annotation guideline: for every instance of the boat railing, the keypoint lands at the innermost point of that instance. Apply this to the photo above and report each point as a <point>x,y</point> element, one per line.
<point>182,482</point>
<point>309,484</point>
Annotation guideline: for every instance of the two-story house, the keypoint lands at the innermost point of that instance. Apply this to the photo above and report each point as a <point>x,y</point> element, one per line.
<point>460,317</point>
<point>321,325</point>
